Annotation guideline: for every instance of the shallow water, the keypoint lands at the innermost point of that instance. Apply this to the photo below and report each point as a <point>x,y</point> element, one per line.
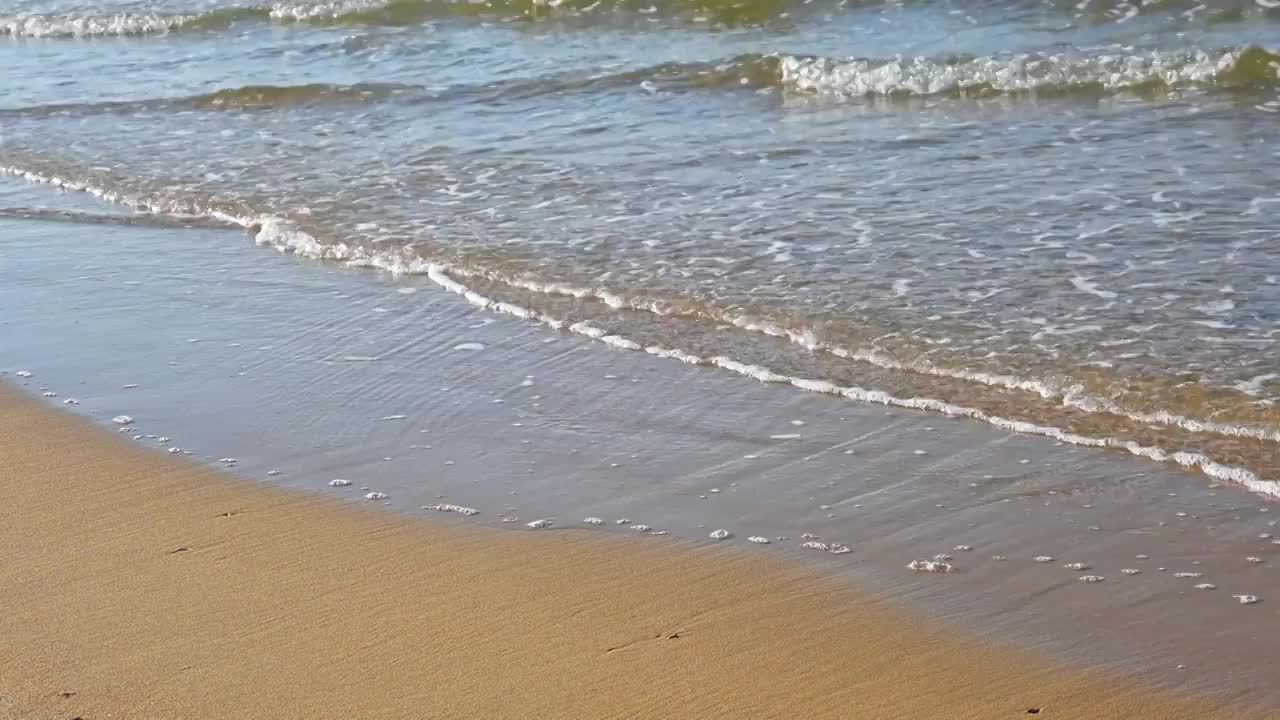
<point>1049,215</point>
<point>297,372</point>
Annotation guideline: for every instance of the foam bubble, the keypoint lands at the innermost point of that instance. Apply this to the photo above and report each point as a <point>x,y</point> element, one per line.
<point>930,566</point>
<point>719,534</point>
<point>375,496</point>
<point>339,482</point>
<point>447,507</point>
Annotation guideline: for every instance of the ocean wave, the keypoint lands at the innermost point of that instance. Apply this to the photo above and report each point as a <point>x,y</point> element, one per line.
<point>1039,73</point>
<point>242,98</point>
<point>716,12</point>
<point>1231,69</point>
<point>385,12</point>
<point>287,236</point>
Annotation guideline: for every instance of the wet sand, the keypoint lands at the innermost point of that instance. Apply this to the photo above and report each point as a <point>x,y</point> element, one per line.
<point>139,585</point>
<point>306,372</point>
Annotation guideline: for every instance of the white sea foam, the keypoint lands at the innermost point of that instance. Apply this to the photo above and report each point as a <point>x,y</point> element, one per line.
<point>122,420</point>
<point>47,26</point>
<point>930,566</point>
<point>448,507</point>
<point>1019,73</point>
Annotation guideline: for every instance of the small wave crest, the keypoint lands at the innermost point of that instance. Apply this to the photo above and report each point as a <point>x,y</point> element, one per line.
<point>381,12</point>
<point>1041,73</point>
<point>120,25</point>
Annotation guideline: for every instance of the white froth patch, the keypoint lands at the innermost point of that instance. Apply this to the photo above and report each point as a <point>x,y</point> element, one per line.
<point>1187,575</point>
<point>1043,558</point>
<point>786,436</point>
<point>1131,571</point>
<point>407,290</point>
<point>71,401</point>
<point>930,566</point>
<point>337,482</point>
<point>1206,586</point>
<point>49,394</point>
<point>815,545</point>
<point>375,496</point>
<point>448,507</point>
<point>963,548</point>
<point>469,346</point>
<point>1247,599</point>
<point>1084,284</point>
<point>623,521</point>
<point>394,417</point>
<point>273,473</point>
<point>641,528</point>
<point>759,540</point>
<point>1091,578</point>
<point>1076,566</point>
<point>1252,559</point>
<point>719,534</point>
<point>122,420</point>
<point>593,521</point>
<point>540,524</point>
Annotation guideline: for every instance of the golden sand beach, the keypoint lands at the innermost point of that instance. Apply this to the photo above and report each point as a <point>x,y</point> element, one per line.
<point>136,585</point>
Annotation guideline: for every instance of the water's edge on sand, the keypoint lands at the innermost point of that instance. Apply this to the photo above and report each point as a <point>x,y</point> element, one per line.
<point>146,586</point>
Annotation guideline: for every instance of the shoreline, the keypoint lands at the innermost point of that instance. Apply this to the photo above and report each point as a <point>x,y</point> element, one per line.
<point>141,585</point>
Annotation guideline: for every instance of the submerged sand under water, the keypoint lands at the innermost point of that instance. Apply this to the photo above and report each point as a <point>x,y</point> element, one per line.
<point>304,374</point>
